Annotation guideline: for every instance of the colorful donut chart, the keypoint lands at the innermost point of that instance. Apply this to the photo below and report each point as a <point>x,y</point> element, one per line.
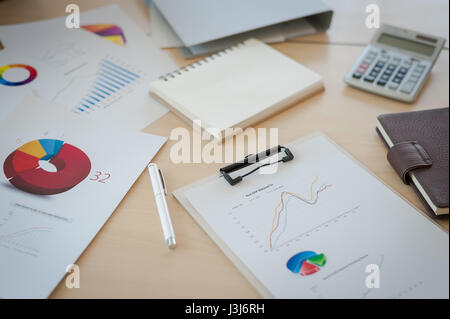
<point>22,167</point>
<point>31,77</point>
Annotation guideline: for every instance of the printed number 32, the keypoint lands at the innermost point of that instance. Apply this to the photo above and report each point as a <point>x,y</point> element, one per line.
<point>100,177</point>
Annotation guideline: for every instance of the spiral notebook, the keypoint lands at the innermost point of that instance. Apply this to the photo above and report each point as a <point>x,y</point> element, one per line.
<point>237,87</point>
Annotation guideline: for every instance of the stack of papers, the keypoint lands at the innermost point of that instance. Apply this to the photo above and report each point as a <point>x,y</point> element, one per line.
<point>101,70</point>
<point>73,104</point>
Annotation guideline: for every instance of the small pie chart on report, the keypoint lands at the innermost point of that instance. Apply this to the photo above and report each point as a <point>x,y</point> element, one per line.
<point>24,167</point>
<point>306,263</point>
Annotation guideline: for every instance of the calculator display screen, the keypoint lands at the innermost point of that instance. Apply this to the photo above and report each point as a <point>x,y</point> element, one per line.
<point>406,44</point>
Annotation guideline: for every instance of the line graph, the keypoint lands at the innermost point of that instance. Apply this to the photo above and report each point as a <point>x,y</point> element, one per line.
<point>282,215</point>
<point>24,232</point>
<point>324,225</point>
<point>25,241</point>
<point>282,206</point>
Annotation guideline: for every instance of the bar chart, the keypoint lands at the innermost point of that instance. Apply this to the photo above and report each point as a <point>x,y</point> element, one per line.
<point>113,80</point>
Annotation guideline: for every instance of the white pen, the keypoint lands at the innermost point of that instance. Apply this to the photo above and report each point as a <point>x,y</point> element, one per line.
<point>160,191</point>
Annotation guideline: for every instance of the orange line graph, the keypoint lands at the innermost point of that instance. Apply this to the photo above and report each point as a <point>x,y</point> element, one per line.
<point>282,204</point>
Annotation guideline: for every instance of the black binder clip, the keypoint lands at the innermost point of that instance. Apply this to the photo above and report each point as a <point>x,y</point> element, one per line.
<point>252,159</point>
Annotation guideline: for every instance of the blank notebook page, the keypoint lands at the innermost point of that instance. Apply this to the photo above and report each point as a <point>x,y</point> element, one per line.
<point>234,86</point>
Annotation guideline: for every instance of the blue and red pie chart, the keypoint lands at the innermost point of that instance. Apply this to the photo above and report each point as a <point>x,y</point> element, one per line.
<point>32,74</point>
<point>306,263</point>
<point>24,167</point>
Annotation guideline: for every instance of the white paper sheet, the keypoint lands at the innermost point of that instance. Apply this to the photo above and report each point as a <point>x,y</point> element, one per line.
<point>83,72</point>
<point>323,202</point>
<point>42,233</point>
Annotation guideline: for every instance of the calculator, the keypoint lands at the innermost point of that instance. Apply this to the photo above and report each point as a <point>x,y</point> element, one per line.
<point>396,63</point>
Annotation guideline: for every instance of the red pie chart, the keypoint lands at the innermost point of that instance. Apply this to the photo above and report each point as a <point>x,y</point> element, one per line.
<point>23,167</point>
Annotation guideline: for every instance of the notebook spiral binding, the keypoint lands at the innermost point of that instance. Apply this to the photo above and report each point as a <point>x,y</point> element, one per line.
<point>199,63</point>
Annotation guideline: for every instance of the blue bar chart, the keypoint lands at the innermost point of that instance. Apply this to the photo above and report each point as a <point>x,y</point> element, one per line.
<point>113,80</point>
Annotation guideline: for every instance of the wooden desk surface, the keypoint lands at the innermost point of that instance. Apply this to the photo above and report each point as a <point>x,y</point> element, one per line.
<point>129,258</point>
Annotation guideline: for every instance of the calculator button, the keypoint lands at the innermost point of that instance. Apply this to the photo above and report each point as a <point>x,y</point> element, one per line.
<point>360,70</point>
<point>380,64</point>
<point>364,65</point>
<point>393,86</point>
<point>384,77</point>
<point>387,72</point>
<point>382,82</point>
<point>414,78</point>
<point>369,79</point>
<point>407,63</point>
<point>417,73</point>
<point>376,69</point>
<point>403,70</point>
<point>408,87</point>
<point>397,80</point>
<point>421,67</point>
<point>357,75</point>
<point>391,67</point>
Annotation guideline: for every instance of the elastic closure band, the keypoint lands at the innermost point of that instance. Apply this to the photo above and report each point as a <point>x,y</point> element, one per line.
<point>408,156</point>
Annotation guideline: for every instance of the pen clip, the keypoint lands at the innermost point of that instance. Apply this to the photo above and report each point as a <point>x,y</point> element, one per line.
<point>163,181</point>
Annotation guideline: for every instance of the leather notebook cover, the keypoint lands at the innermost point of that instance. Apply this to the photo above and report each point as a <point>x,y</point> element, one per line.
<point>418,151</point>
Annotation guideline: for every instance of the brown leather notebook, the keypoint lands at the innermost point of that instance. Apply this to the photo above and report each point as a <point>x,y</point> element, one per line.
<point>418,152</point>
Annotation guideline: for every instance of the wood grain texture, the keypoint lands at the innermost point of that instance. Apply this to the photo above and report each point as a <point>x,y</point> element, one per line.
<point>129,258</point>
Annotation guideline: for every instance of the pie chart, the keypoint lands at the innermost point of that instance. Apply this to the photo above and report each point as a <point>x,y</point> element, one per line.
<point>306,263</point>
<point>23,167</point>
<point>110,32</point>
